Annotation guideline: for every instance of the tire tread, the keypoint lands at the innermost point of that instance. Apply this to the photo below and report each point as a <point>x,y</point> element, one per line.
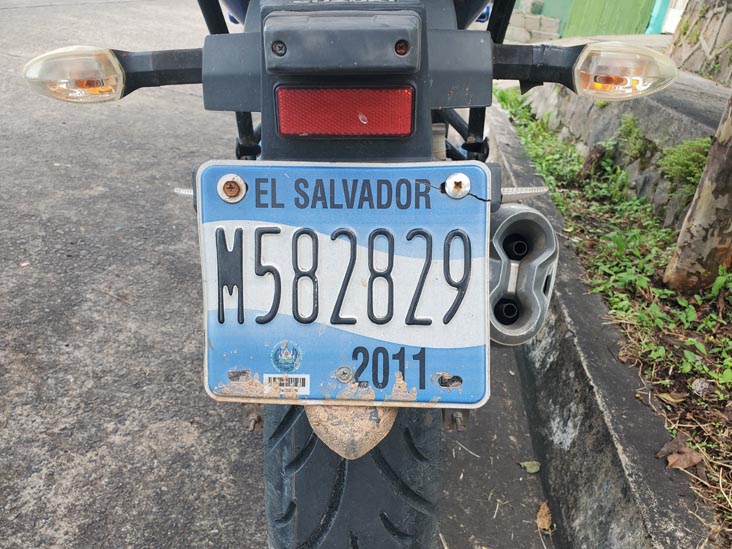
<point>317,500</point>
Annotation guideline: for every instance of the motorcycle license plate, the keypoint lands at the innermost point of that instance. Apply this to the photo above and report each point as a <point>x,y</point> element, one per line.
<point>345,283</point>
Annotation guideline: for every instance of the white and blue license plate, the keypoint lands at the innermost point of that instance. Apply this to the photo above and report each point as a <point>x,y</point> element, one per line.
<point>345,283</point>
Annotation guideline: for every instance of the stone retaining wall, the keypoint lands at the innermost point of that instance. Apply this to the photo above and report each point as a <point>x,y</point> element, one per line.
<point>703,40</point>
<point>526,27</point>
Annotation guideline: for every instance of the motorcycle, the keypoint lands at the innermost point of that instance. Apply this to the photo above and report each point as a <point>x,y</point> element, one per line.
<point>356,263</point>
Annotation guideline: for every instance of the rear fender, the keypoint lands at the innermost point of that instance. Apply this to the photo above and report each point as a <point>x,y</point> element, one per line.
<point>351,431</point>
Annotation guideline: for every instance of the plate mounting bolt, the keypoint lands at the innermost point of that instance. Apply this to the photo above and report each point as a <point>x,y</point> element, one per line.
<point>457,185</point>
<point>253,417</point>
<point>457,418</point>
<point>344,374</point>
<point>279,48</point>
<point>231,188</point>
<point>401,47</point>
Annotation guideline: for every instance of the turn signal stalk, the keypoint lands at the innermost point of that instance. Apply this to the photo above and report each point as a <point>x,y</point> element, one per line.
<point>612,71</point>
<point>82,74</point>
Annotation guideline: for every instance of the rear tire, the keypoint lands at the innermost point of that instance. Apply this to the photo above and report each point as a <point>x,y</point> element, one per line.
<point>385,499</point>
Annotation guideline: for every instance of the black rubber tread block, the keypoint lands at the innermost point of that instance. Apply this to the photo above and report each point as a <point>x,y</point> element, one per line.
<point>386,499</point>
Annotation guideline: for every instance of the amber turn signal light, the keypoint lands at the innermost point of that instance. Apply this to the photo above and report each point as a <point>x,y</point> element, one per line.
<point>614,71</point>
<point>79,74</point>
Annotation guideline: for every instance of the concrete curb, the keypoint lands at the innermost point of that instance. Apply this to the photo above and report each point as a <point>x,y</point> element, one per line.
<point>596,441</point>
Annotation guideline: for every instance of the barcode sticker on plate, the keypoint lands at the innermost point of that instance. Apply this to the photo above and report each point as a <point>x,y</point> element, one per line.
<point>299,384</point>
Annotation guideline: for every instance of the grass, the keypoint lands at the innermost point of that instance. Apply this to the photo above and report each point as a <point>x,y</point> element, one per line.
<point>695,34</point>
<point>684,27</point>
<point>685,162</point>
<point>681,343</point>
<point>684,165</point>
<point>631,139</point>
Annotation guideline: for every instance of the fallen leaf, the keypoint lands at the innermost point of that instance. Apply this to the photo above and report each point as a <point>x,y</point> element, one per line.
<point>673,398</point>
<point>531,467</point>
<point>672,446</point>
<point>700,470</point>
<point>728,414</point>
<point>700,386</point>
<point>684,458</point>
<point>544,518</point>
<point>719,415</point>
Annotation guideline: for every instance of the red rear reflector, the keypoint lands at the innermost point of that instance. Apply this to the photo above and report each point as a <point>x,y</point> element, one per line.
<point>345,112</point>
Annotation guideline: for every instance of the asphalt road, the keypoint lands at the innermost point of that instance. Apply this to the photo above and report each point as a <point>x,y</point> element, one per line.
<point>107,438</point>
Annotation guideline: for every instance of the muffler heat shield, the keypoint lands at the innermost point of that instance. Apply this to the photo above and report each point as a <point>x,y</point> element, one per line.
<point>523,266</point>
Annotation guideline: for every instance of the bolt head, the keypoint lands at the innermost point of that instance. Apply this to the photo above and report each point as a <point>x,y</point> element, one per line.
<point>344,374</point>
<point>279,48</point>
<point>231,188</point>
<point>401,47</point>
<point>457,185</point>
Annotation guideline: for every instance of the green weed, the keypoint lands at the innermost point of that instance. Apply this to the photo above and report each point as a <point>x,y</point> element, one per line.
<point>634,143</point>
<point>625,250</point>
<point>695,34</point>
<point>685,162</point>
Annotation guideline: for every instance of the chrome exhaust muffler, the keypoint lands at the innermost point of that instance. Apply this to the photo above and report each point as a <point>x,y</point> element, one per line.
<point>523,265</point>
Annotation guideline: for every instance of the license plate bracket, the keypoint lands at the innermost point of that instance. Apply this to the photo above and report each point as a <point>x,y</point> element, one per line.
<point>328,283</point>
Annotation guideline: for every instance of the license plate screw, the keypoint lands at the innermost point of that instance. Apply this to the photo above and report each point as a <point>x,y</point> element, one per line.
<point>279,48</point>
<point>231,188</point>
<point>401,47</point>
<point>344,374</point>
<point>457,185</point>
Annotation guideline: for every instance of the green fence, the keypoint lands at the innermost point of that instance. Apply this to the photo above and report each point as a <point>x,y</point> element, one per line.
<point>559,9</point>
<point>601,17</point>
